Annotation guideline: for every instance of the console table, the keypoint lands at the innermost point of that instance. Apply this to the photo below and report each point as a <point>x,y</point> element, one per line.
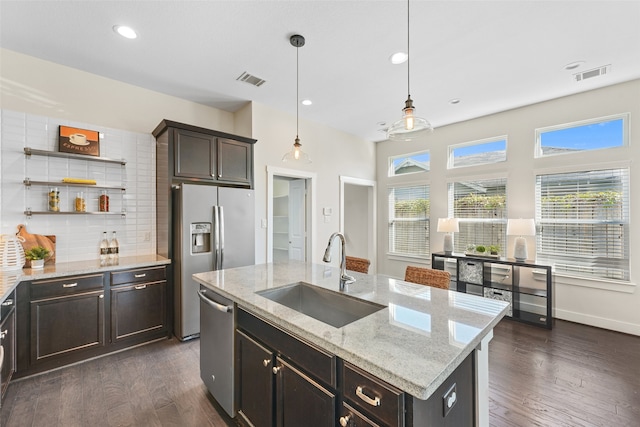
<point>525,285</point>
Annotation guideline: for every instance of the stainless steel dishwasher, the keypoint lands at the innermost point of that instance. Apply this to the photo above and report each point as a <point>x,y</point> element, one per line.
<point>217,316</point>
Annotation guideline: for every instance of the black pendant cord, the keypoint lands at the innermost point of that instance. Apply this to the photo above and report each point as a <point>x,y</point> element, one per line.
<point>408,56</point>
<point>297,90</point>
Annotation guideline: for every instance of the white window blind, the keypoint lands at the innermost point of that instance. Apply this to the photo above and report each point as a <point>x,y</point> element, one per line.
<point>583,220</point>
<point>409,220</point>
<point>481,209</point>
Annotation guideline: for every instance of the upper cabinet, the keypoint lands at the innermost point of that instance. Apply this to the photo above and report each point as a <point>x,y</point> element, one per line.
<point>190,153</point>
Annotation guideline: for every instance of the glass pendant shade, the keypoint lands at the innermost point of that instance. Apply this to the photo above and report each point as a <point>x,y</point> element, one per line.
<point>296,154</point>
<point>409,127</point>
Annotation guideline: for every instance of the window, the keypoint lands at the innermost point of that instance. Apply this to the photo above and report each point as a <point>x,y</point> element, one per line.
<point>481,209</point>
<point>409,220</point>
<point>478,152</point>
<point>409,163</point>
<point>587,135</point>
<point>583,219</point>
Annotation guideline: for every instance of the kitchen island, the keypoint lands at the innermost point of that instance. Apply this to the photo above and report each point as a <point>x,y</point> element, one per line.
<point>420,337</point>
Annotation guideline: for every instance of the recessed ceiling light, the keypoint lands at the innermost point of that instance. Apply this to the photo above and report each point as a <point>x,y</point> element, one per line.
<point>398,58</point>
<point>125,31</point>
<point>454,101</point>
<point>306,102</point>
<point>573,65</point>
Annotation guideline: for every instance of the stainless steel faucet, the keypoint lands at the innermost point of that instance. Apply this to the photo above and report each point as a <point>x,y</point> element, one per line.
<point>345,279</point>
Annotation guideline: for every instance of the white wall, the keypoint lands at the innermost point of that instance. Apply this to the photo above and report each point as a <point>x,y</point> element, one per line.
<point>612,305</point>
<point>333,153</point>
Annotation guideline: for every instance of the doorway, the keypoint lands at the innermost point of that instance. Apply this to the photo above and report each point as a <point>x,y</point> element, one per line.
<point>291,223</point>
<point>358,218</point>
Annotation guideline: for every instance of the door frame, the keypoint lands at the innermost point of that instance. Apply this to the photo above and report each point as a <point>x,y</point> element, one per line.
<point>310,207</point>
<point>371,212</point>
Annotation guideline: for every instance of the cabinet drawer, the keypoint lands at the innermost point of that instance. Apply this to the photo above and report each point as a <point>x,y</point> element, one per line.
<point>65,286</point>
<point>373,396</point>
<point>500,295</point>
<point>471,271</point>
<point>154,274</point>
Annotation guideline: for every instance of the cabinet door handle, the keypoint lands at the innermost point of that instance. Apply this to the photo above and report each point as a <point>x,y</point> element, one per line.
<point>265,362</point>
<point>7,303</point>
<point>344,421</point>
<point>70,285</point>
<point>3,334</point>
<point>140,286</point>
<point>373,402</point>
<point>276,369</point>
<point>137,276</point>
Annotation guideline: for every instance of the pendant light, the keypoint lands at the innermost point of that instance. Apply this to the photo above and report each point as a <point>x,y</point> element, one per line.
<point>296,154</point>
<point>409,126</point>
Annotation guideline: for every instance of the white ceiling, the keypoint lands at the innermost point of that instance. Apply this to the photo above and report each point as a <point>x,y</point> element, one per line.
<point>492,55</point>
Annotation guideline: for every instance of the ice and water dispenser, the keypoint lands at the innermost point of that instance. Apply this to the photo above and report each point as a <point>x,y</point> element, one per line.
<point>200,237</point>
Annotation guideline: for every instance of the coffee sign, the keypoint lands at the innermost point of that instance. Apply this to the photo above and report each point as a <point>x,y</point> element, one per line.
<point>79,141</point>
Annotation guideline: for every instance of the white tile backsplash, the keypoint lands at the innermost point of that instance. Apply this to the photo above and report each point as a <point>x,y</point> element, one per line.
<point>77,236</point>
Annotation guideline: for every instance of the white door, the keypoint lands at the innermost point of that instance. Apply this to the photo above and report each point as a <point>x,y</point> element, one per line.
<point>297,223</point>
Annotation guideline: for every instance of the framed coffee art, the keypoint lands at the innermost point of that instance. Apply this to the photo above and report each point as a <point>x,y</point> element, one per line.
<point>79,141</point>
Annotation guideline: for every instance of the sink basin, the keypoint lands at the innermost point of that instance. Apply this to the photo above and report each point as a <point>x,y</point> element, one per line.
<point>330,307</point>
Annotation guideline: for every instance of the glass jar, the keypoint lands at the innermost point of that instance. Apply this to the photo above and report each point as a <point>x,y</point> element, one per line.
<point>103,202</point>
<point>81,206</point>
<point>54,200</point>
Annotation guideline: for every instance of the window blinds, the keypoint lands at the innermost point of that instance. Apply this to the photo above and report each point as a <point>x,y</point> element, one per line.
<point>583,220</point>
<point>409,220</point>
<point>481,209</point>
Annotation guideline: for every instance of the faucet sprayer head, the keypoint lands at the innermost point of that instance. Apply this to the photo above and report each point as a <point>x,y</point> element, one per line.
<point>327,254</point>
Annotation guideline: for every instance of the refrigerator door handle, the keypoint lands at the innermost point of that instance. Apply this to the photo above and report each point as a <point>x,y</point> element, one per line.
<point>216,237</point>
<point>221,230</point>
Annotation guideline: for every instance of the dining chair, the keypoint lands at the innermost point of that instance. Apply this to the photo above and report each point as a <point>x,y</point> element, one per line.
<point>427,276</point>
<point>360,265</point>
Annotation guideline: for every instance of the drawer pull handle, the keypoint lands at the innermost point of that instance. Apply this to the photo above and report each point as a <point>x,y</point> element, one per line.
<point>373,402</point>
<point>344,421</point>
<point>70,285</point>
<point>7,303</point>
<point>137,276</point>
<point>265,362</point>
<point>140,286</point>
<point>276,369</point>
<point>3,334</point>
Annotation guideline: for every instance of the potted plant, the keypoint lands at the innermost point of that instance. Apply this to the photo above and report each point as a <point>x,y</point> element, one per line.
<point>36,255</point>
<point>494,249</point>
<point>481,249</point>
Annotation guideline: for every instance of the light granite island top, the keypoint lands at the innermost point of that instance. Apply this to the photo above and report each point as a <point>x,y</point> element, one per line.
<point>414,343</point>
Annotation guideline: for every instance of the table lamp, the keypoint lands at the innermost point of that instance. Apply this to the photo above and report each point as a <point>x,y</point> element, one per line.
<point>521,227</point>
<point>448,226</point>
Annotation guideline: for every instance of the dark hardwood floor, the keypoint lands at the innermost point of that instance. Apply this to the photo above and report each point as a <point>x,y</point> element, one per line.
<point>573,375</point>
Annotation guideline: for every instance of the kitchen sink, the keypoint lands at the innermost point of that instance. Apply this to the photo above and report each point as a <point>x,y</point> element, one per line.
<point>329,307</point>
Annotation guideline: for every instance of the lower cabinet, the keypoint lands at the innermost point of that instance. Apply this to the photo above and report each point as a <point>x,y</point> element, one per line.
<point>69,319</point>
<point>138,305</point>
<point>277,384</point>
<point>7,342</point>
<point>67,316</point>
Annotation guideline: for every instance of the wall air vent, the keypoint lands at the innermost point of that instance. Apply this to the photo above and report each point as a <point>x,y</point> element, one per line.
<point>252,80</point>
<point>600,71</point>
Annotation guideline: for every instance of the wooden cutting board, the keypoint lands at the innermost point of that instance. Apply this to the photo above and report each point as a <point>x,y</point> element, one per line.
<point>33,240</point>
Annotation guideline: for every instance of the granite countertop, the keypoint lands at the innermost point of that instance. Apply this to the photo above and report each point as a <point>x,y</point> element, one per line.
<point>10,279</point>
<point>414,343</point>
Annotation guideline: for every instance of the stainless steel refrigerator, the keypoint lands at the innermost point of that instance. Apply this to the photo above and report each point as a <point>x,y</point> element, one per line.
<point>214,228</point>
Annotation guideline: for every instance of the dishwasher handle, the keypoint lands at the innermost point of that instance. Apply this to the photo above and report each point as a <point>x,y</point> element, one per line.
<point>213,304</point>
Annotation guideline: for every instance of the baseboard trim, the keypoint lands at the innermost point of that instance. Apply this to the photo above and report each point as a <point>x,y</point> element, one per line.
<point>599,322</point>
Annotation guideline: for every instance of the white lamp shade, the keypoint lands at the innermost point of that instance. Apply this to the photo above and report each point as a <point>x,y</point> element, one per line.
<point>521,227</point>
<point>448,225</point>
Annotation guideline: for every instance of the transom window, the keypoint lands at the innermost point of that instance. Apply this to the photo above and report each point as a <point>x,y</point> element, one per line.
<point>481,209</point>
<point>410,163</point>
<point>596,134</point>
<point>475,153</point>
<point>409,220</point>
<point>583,220</point>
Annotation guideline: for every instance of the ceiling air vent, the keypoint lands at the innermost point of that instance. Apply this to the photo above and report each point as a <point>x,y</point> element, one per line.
<point>252,80</point>
<point>600,71</point>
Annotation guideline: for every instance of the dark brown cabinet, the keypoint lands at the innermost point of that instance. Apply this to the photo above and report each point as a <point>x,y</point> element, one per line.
<point>191,153</point>
<point>138,303</point>
<point>281,379</point>
<point>7,342</point>
<point>255,381</point>
<point>67,317</point>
